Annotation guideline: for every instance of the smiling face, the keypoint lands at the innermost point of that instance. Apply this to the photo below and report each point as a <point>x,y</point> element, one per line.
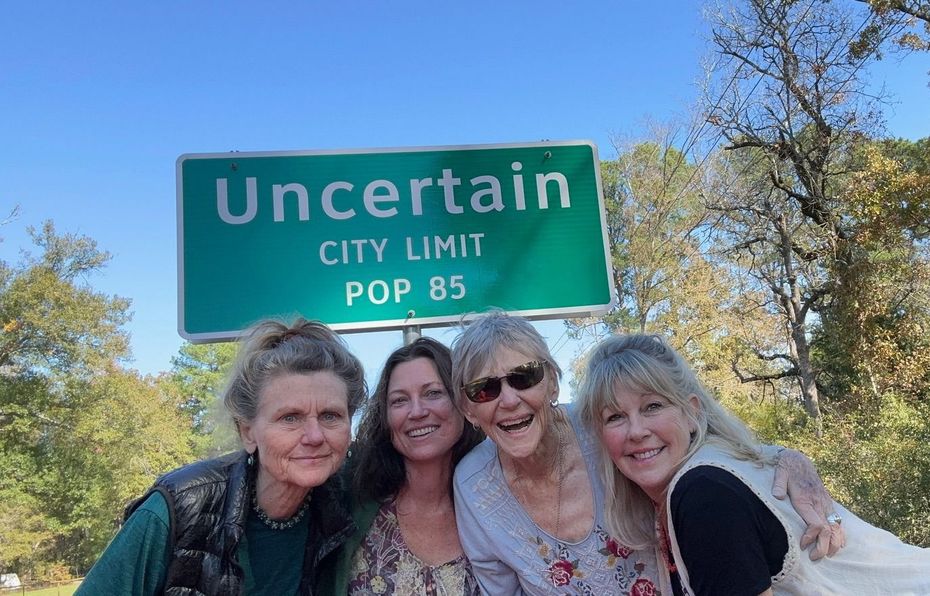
<point>424,423</point>
<point>301,429</point>
<point>647,438</point>
<point>517,419</point>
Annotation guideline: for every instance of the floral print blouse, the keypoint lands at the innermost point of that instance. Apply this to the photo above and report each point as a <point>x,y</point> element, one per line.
<point>565,571</point>
<point>384,565</point>
<point>511,555</point>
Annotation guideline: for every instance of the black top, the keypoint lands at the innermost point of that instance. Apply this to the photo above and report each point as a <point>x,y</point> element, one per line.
<point>730,542</point>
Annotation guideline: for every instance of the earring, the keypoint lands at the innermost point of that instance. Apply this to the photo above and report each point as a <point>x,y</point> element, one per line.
<point>251,460</point>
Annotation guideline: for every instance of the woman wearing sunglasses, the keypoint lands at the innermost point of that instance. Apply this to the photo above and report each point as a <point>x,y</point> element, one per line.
<point>529,500</point>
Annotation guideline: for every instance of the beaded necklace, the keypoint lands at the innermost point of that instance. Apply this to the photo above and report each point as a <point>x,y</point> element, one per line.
<point>285,524</point>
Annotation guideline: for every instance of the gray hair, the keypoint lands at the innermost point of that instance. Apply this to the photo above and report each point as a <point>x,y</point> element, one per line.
<point>475,348</point>
<point>648,364</point>
<point>271,348</point>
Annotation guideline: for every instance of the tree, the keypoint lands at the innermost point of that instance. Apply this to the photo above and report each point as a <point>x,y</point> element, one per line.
<point>120,435</point>
<point>909,19</point>
<point>196,377</point>
<point>772,243</point>
<point>655,227</point>
<point>51,322</point>
<point>79,435</point>
<point>666,272</point>
<point>832,225</point>
<point>788,99</point>
<point>52,327</point>
<point>653,194</point>
<point>874,332</point>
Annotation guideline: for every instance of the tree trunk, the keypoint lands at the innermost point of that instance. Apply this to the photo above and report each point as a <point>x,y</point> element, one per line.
<point>806,377</point>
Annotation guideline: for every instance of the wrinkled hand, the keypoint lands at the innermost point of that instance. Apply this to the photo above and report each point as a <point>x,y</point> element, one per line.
<point>796,477</point>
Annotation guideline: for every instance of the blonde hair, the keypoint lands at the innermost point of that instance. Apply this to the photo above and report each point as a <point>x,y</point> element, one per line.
<point>647,364</point>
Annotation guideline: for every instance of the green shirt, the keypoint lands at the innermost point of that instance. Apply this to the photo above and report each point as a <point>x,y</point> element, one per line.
<point>136,561</point>
<point>272,559</point>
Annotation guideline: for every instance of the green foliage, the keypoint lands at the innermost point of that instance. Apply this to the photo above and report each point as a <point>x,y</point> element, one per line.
<point>913,156</point>
<point>120,435</point>
<point>51,322</point>
<point>884,463</point>
<point>876,463</point>
<point>196,378</point>
<point>23,526</point>
<point>655,221</point>
<point>873,339</point>
<point>79,435</point>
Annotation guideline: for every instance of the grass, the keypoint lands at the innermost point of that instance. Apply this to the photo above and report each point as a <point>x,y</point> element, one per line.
<point>62,590</point>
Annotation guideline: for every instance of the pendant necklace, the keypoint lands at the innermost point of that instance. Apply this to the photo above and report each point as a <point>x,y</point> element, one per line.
<point>561,458</point>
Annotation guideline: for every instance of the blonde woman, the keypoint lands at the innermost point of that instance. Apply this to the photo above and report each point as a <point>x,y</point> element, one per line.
<point>698,483</point>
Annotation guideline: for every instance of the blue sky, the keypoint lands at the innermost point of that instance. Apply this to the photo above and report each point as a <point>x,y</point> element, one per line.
<point>97,101</point>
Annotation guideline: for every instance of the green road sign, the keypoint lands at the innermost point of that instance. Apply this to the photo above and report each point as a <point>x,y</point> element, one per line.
<point>383,238</point>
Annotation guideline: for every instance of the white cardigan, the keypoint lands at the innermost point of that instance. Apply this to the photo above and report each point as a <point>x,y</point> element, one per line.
<point>872,562</point>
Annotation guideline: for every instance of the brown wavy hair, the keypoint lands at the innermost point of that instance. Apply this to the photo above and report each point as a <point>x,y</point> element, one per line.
<point>379,470</point>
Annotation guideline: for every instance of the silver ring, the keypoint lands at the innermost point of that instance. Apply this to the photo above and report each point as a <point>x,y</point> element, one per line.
<point>833,518</point>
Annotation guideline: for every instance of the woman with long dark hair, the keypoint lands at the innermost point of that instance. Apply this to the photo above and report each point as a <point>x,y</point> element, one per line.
<point>410,438</point>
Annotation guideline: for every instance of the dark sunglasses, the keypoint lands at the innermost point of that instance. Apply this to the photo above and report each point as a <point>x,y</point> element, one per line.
<point>489,388</point>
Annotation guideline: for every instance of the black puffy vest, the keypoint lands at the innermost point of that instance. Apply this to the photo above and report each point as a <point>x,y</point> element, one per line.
<point>208,502</point>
